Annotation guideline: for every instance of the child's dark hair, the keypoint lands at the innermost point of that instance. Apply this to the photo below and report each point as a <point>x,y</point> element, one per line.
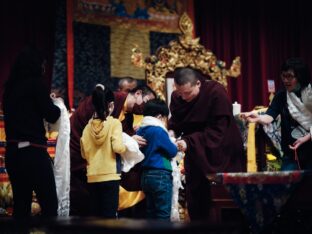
<point>101,99</point>
<point>155,107</point>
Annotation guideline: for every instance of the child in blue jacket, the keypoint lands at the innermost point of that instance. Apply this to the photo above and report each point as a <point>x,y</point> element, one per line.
<point>156,178</point>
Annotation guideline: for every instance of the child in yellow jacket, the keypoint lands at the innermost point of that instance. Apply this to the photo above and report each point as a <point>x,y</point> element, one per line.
<point>100,141</point>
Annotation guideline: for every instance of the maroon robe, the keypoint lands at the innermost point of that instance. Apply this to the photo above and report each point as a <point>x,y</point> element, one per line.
<point>214,143</point>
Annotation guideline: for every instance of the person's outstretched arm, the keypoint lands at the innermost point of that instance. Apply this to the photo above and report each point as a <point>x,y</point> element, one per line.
<point>254,117</point>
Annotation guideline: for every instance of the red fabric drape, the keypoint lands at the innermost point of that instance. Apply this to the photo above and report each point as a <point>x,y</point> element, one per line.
<point>263,33</point>
<point>70,52</point>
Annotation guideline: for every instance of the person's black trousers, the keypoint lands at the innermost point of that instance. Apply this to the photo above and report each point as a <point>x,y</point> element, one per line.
<point>105,198</point>
<point>30,169</point>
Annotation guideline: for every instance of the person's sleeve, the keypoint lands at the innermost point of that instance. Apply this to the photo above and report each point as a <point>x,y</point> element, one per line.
<point>83,155</point>
<point>276,105</point>
<point>172,122</point>
<point>165,144</point>
<point>117,144</point>
<point>82,143</point>
<point>212,135</point>
<point>49,111</point>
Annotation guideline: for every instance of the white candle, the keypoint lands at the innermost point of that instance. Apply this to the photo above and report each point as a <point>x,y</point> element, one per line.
<point>236,108</point>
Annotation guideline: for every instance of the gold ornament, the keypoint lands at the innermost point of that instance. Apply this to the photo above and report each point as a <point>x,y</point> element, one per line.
<point>184,52</point>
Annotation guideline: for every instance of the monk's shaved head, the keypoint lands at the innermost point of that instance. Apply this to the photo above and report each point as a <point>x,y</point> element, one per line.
<point>186,75</point>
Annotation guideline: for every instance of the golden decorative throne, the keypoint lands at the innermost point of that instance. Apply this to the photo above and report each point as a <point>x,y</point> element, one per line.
<point>184,52</point>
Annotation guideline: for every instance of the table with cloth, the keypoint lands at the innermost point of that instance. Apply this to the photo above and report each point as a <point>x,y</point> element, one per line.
<point>262,196</point>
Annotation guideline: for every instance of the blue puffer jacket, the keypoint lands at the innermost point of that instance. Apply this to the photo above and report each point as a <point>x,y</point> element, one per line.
<point>159,149</point>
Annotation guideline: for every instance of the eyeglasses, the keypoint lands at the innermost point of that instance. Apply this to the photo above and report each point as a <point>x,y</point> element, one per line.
<point>287,76</point>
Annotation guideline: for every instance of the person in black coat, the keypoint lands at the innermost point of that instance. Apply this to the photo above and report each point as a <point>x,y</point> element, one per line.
<point>26,104</point>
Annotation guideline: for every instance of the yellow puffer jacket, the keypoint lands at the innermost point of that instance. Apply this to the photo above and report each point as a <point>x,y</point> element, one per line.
<point>100,142</point>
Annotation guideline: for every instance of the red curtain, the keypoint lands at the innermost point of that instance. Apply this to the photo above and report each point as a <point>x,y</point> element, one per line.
<point>263,33</point>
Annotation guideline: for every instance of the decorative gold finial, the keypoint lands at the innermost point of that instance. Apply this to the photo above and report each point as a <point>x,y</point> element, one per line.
<point>184,52</point>
<point>186,25</point>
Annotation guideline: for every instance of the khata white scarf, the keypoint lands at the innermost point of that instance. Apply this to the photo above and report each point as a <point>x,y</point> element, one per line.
<point>62,159</point>
<point>301,111</point>
<point>132,155</point>
<point>152,121</point>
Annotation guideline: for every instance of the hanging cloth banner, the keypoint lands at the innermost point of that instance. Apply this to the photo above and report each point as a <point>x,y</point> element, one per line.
<point>158,16</point>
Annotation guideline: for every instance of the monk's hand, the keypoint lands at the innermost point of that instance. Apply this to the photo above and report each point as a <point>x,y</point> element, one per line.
<point>182,146</point>
<point>300,141</point>
<point>141,141</point>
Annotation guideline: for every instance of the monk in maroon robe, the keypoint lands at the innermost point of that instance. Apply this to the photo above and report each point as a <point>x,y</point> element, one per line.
<point>202,115</point>
<point>79,195</point>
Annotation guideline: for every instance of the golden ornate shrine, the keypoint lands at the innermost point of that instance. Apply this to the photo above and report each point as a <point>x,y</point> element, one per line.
<point>183,52</point>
